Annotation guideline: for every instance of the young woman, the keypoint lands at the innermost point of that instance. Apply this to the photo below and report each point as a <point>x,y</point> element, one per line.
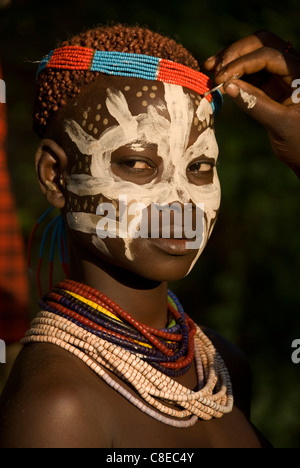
<point>128,154</point>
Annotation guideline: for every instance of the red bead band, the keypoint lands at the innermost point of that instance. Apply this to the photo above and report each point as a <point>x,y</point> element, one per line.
<point>127,65</point>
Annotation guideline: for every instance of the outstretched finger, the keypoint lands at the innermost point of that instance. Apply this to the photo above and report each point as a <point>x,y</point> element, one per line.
<point>243,47</point>
<point>265,58</point>
<point>234,51</point>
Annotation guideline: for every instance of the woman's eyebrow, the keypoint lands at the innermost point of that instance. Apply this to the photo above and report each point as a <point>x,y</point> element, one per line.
<point>139,145</point>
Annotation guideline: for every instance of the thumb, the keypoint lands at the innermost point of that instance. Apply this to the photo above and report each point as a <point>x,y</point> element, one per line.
<point>256,103</point>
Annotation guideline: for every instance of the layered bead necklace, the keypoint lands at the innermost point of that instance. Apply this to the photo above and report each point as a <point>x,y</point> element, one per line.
<point>91,326</point>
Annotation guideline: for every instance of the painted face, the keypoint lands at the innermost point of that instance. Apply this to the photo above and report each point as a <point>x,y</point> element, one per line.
<point>140,143</point>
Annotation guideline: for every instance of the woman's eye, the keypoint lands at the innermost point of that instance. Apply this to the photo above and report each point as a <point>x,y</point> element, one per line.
<point>200,167</point>
<point>137,165</point>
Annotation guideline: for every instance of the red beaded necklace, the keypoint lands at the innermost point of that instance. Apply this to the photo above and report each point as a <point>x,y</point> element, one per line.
<point>170,350</point>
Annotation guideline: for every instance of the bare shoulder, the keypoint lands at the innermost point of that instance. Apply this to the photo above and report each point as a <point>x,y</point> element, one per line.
<point>50,400</point>
<point>238,367</point>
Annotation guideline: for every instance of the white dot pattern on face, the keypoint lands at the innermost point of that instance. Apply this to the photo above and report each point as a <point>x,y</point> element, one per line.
<point>89,204</point>
<point>145,93</point>
<point>91,118</point>
<point>85,116</point>
<point>81,165</point>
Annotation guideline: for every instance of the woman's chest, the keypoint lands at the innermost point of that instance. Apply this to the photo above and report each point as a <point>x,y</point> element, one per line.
<point>129,427</point>
<point>232,431</point>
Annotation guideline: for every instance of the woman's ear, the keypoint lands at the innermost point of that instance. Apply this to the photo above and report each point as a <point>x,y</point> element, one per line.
<point>51,164</point>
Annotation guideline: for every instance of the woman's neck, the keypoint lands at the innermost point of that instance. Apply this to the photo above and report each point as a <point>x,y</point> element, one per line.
<point>143,299</point>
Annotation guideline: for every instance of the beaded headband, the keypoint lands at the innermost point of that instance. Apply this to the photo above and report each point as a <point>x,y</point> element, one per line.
<point>133,66</point>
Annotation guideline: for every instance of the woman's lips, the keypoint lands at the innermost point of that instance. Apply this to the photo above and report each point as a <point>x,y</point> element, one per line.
<point>172,246</point>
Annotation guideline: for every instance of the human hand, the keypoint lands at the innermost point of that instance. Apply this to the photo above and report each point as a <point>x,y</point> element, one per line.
<point>268,66</point>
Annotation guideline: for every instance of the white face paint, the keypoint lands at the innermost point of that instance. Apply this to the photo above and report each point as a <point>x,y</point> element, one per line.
<point>172,139</point>
<point>248,99</point>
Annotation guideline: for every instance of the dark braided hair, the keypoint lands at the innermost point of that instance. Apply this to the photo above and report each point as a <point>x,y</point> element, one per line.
<point>55,87</point>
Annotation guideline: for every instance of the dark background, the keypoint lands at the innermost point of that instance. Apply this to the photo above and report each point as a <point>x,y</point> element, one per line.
<point>246,284</point>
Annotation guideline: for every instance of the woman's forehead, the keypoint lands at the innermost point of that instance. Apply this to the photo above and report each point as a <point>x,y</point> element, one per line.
<point>91,109</point>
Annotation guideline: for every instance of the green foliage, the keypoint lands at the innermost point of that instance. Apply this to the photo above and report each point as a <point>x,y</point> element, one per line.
<point>246,283</point>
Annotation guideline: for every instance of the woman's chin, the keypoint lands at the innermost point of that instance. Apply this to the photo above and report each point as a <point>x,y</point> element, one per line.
<point>152,259</point>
